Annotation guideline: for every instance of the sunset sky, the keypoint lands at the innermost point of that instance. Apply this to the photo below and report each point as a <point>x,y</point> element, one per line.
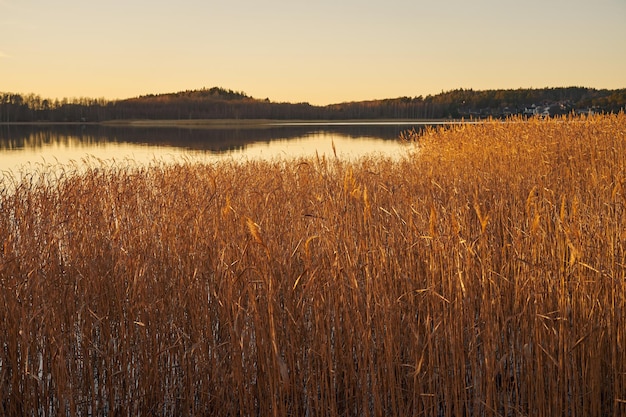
<point>322,51</point>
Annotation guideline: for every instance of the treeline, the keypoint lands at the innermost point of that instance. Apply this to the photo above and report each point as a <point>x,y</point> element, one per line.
<point>220,103</point>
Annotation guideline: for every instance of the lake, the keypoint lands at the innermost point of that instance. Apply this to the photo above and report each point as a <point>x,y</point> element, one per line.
<point>24,148</point>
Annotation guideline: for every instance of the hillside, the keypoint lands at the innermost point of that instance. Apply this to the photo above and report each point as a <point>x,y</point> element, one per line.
<point>220,103</point>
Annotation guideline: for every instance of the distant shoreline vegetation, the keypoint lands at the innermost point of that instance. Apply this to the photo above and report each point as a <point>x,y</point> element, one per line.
<point>220,103</point>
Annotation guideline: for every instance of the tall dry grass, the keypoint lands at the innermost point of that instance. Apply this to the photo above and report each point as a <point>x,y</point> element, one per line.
<point>484,275</point>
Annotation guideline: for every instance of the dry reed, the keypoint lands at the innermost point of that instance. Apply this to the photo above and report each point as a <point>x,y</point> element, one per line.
<point>482,276</point>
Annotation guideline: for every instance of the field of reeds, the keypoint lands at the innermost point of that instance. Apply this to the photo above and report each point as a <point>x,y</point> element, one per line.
<point>483,274</point>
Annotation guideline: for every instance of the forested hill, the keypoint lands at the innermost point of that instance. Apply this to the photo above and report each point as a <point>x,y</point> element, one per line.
<point>220,103</point>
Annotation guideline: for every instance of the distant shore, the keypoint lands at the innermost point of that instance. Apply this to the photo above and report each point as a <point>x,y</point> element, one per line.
<point>229,123</point>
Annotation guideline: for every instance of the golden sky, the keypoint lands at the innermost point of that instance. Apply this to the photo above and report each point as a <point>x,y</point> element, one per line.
<point>322,52</point>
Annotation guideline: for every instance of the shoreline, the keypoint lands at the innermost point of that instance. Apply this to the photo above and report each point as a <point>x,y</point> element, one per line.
<point>229,123</point>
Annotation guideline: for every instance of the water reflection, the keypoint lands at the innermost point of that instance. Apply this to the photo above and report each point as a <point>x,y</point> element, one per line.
<point>24,145</point>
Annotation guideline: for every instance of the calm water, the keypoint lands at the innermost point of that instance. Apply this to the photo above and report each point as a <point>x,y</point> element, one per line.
<point>26,148</point>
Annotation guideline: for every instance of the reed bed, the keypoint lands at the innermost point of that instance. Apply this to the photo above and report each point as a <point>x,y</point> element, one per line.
<point>482,275</point>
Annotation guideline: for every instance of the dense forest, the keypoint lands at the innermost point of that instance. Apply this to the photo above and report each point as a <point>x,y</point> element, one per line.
<point>220,103</point>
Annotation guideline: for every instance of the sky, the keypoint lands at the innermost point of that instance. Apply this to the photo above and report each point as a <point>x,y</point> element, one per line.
<point>321,51</point>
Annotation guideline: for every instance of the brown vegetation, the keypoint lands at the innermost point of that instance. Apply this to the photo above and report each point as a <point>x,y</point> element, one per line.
<point>483,275</point>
